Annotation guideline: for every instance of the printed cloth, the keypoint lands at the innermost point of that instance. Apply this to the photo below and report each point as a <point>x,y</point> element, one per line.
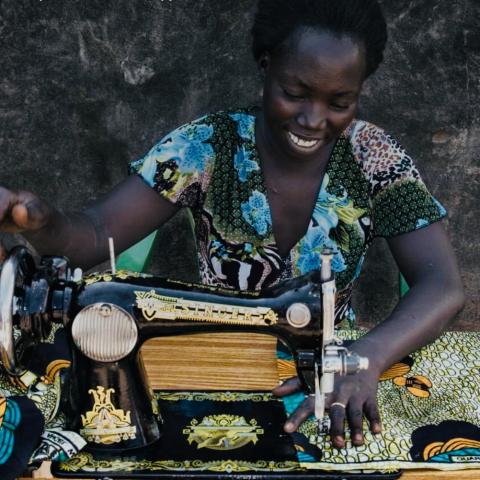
<point>21,424</point>
<point>371,188</point>
<point>31,425</point>
<point>430,408</point>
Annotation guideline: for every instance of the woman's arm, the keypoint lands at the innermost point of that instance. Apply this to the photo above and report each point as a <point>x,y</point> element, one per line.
<point>426,259</point>
<point>127,213</point>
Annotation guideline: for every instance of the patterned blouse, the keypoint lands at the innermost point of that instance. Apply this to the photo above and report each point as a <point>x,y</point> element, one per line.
<point>371,188</point>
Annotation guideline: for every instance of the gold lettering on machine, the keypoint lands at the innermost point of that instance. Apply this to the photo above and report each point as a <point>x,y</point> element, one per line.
<point>162,307</point>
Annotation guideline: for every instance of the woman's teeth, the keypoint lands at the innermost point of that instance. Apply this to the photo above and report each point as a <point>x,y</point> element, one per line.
<point>302,143</point>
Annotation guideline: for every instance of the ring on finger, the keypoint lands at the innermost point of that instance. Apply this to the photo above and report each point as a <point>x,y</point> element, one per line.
<point>338,404</point>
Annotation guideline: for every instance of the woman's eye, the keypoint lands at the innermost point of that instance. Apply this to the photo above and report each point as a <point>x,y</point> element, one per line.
<point>337,106</point>
<point>293,95</point>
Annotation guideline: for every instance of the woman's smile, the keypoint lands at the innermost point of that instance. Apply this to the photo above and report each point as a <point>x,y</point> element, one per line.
<point>304,144</point>
<point>301,142</point>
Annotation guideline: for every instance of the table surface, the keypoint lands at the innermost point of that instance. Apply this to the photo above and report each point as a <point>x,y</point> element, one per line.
<point>228,362</point>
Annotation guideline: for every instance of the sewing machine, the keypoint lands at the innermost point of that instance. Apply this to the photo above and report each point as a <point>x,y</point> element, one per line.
<point>109,316</point>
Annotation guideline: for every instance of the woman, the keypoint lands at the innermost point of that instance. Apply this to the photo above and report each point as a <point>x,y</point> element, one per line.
<point>270,187</point>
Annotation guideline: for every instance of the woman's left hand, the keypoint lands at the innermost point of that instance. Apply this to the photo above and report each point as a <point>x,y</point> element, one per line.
<point>359,395</point>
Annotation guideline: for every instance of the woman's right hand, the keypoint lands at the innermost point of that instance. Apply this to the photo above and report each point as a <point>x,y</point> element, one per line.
<point>127,213</point>
<point>22,211</point>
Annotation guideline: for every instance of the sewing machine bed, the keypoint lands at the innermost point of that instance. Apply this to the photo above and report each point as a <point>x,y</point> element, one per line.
<point>210,435</point>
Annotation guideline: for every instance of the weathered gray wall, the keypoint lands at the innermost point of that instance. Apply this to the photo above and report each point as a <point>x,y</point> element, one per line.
<point>86,86</point>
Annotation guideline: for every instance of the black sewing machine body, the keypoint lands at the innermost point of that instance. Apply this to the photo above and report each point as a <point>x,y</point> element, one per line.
<point>109,317</point>
<point>163,308</point>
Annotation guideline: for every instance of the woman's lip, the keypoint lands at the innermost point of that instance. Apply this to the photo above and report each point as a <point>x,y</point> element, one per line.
<point>304,137</point>
<point>302,142</point>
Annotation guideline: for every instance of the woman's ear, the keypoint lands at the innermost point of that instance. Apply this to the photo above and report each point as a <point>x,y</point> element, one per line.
<point>264,62</point>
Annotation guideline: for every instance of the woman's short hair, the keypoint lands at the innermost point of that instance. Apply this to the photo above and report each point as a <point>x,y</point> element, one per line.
<point>363,20</point>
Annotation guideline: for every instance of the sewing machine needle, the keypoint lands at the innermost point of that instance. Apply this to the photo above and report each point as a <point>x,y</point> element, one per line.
<point>319,399</point>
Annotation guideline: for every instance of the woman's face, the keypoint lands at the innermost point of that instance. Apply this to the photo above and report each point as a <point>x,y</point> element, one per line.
<point>311,92</point>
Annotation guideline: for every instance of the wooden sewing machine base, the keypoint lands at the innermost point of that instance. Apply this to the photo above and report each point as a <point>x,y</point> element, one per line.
<point>221,435</point>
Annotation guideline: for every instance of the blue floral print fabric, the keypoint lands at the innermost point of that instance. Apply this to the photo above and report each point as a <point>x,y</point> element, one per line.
<point>371,188</point>
<point>256,212</point>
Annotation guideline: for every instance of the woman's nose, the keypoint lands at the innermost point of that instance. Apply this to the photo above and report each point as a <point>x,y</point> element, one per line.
<point>313,116</point>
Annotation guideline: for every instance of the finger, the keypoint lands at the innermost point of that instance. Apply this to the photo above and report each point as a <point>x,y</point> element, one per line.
<point>355,421</point>
<point>337,425</point>
<point>8,202</point>
<point>373,416</point>
<point>3,254</point>
<point>29,213</point>
<point>299,415</point>
<point>289,386</point>
<point>20,215</point>
<point>6,197</point>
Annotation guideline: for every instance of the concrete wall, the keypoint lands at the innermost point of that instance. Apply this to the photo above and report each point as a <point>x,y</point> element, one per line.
<point>87,86</point>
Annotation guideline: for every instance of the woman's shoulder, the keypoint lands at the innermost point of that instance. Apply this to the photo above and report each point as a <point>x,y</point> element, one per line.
<point>235,113</point>
<point>219,122</point>
<point>190,151</point>
<point>206,128</point>
<point>374,149</point>
<point>367,135</point>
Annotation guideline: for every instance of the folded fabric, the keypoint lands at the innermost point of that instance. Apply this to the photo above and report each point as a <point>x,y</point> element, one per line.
<point>430,409</point>
<point>30,403</point>
<point>21,424</point>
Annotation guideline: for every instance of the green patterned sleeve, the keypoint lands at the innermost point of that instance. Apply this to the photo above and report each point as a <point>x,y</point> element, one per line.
<point>401,201</point>
<point>178,166</point>
<point>405,206</point>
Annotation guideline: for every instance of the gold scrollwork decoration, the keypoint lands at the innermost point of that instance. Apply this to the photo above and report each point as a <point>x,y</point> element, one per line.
<point>217,396</point>
<point>163,307</point>
<point>108,276</point>
<point>85,462</point>
<point>223,432</point>
<point>106,424</point>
